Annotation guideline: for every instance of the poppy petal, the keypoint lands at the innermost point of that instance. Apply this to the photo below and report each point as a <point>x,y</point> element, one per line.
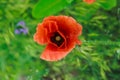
<point>78,42</point>
<point>89,1</point>
<point>54,54</point>
<point>70,42</point>
<point>69,26</point>
<point>40,35</point>
<point>66,25</point>
<point>43,31</point>
<point>51,26</point>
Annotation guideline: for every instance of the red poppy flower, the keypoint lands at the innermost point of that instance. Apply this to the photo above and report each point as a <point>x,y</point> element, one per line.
<point>89,1</point>
<point>60,34</point>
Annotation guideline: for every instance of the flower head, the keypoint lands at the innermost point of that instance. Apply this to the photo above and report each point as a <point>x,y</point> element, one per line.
<point>21,28</point>
<point>89,1</point>
<point>60,34</point>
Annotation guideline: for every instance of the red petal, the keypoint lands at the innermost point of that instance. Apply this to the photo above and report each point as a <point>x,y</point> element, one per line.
<point>51,26</point>
<point>40,35</point>
<point>78,42</point>
<point>66,25</point>
<point>89,1</point>
<point>52,53</point>
<point>44,30</point>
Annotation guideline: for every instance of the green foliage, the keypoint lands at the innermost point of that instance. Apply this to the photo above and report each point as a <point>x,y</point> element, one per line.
<point>43,9</point>
<point>107,5</point>
<point>82,10</point>
<point>98,58</point>
<point>47,7</point>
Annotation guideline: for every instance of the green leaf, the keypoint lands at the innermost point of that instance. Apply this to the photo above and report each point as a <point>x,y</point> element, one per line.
<point>108,4</point>
<point>48,7</point>
<point>69,1</point>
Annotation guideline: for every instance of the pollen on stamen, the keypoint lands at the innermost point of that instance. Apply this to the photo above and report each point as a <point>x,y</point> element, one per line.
<point>57,38</point>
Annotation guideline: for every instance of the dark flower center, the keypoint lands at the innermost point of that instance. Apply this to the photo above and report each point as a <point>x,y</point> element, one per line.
<point>57,39</point>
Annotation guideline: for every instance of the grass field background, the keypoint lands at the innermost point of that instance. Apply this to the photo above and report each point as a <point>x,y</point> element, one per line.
<point>98,58</point>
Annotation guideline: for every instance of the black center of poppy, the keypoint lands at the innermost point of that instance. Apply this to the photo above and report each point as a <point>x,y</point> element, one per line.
<point>57,39</point>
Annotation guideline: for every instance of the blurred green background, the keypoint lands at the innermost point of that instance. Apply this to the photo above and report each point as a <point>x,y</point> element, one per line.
<point>98,58</point>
